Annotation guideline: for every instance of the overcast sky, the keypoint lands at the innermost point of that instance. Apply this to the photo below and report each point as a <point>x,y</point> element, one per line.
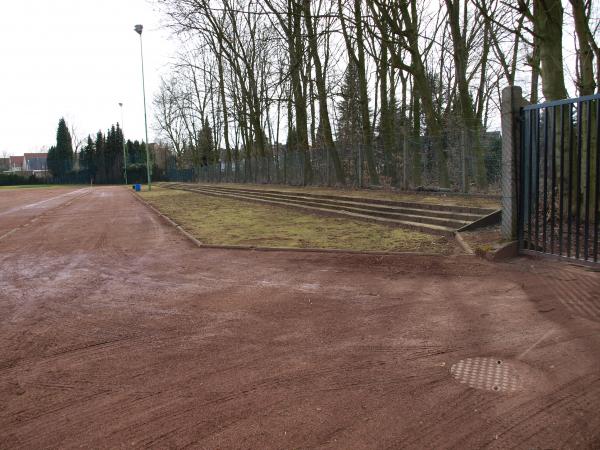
<point>77,59</point>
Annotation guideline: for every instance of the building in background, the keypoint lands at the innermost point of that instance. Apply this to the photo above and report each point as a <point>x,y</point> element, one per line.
<point>4,164</point>
<point>16,163</point>
<point>28,164</point>
<point>35,162</point>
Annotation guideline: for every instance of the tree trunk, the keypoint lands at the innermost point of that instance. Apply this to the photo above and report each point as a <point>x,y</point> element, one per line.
<point>386,120</point>
<point>296,50</point>
<point>461,61</point>
<point>421,83</point>
<point>548,18</point>
<point>364,96</point>
<point>322,94</point>
<point>586,82</point>
<point>416,134</point>
<point>587,85</point>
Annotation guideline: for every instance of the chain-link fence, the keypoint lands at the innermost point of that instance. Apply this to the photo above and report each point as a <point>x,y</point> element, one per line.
<point>457,160</point>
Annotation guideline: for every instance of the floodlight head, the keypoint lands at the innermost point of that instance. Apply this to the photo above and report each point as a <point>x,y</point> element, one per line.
<point>138,29</point>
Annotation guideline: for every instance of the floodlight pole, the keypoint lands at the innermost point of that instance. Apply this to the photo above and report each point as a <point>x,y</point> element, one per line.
<point>124,147</point>
<point>138,29</point>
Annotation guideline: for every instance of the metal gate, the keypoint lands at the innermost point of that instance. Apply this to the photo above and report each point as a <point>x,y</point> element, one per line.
<point>559,182</point>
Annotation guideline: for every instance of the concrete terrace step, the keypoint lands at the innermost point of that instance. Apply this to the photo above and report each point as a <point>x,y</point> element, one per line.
<point>363,203</point>
<point>415,217</point>
<point>373,201</point>
<point>423,227</point>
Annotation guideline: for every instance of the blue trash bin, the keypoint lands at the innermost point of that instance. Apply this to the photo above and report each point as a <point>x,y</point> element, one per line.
<point>138,187</point>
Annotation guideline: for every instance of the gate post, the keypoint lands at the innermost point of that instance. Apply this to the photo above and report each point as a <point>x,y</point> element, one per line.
<point>405,159</point>
<point>512,102</point>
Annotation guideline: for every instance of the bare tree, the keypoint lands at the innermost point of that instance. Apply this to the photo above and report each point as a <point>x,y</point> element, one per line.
<point>168,116</point>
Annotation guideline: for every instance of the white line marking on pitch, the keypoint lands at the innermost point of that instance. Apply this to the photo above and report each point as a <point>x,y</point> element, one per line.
<point>29,222</point>
<point>33,205</point>
<point>546,334</point>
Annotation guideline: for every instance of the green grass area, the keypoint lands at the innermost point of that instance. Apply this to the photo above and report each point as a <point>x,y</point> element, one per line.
<point>419,197</point>
<point>221,221</point>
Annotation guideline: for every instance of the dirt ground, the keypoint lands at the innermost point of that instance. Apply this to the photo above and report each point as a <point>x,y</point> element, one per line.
<point>115,331</point>
<point>19,206</point>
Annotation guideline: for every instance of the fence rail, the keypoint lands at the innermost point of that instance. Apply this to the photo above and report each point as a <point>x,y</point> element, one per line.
<point>458,160</point>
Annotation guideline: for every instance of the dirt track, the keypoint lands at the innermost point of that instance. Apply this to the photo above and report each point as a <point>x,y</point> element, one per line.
<point>117,332</point>
<point>20,206</point>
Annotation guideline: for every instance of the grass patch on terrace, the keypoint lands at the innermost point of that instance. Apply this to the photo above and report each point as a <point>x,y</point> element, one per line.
<point>453,199</point>
<point>222,221</point>
<point>484,240</point>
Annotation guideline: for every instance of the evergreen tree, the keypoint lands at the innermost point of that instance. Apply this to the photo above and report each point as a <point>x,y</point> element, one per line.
<point>99,158</point>
<point>143,149</point>
<point>87,159</point>
<point>349,113</point>
<point>206,145</point>
<point>107,159</point>
<point>64,149</point>
<point>111,153</point>
<point>134,153</point>
<point>52,161</point>
<point>118,143</point>
<point>60,157</point>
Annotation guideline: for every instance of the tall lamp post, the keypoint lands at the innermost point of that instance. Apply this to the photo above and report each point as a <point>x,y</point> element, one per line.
<point>138,29</point>
<point>124,147</point>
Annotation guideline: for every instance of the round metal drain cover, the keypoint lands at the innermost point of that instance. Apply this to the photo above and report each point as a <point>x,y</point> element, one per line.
<point>491,374</point>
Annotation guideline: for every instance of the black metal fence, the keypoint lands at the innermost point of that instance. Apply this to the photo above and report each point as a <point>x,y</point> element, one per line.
<point>456,160</point>
<point>559,178</point>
